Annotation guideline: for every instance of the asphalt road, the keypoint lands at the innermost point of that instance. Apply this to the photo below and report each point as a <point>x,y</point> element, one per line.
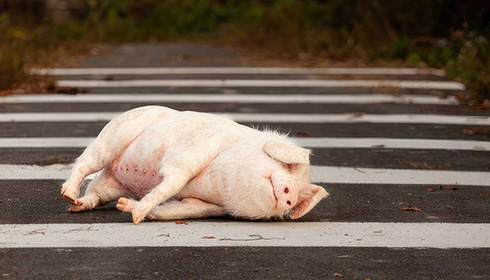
<point>428,153</point>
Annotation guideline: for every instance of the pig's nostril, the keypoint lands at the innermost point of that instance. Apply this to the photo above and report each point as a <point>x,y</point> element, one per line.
<point>286,190</point>
<point>288,202</point>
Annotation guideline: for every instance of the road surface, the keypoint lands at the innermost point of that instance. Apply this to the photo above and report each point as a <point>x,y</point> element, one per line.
<point>384,141</point>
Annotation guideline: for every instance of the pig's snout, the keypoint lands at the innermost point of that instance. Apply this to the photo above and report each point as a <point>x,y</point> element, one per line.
<point>285,190</point>
<point>287,197</point>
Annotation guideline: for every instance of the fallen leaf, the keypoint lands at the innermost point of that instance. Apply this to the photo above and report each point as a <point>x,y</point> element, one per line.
<point>301,134</point>
<point>359,239</point>
<point>5,92</point>
<point>477,130</point>
<point>357,115</point>
<point>409,194</point>
<point>336,274</point>
<point>448,188</point>
<point>410,208</point>
<point>208,237</point>
<point>181,222</point>
<point>349,194</point>
<point>476,105</point>
<point>431,190</point>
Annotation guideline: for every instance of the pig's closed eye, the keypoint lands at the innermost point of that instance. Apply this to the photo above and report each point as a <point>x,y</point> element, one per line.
<point>290,167</point>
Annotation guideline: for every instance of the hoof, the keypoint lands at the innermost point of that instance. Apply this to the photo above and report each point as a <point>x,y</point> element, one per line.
<point>125,205</point>
<point>72,198</point>
<point>139,212</point>
<point>76,208</point>
<point>63,189</point>
<point>138,217</point>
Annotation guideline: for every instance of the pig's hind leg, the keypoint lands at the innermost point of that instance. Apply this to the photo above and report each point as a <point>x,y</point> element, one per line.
<point>187,208</point>
<point>103,189</point>
<point>111,142</point>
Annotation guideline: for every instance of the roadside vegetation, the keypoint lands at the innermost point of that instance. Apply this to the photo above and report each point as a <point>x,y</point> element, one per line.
<point>448,34</point>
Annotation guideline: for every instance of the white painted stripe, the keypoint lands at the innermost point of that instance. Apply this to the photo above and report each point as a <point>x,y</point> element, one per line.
<point>35,172</point>
<point>259,117</point>
<point>236,234</point>
<point>46,142</point>
<point>350,175</point>
<point>442,85</point>
<point>393,143</point>
<point>236,98</point>
<point>367,118</point>
<point>58,117</point>
<point>237,70</point>
<point>310,142</point>
<point>319,174</point>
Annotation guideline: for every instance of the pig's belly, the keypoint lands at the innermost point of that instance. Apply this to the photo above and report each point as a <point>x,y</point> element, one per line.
<point>139,175</point>
<point>137,169</point>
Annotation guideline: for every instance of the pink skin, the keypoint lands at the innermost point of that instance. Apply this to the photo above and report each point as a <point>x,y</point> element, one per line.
<point>192,165</point>
<point>285,190</point>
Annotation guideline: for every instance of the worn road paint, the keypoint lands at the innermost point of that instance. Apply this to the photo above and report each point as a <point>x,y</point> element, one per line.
<point>319,174</point>
<point>236,98</point>
<point>441,85</point>
<point>361,175</point>
<point>236,70</point>
<point>263,117</point>
<point>307,142</point>
<point>210,234</point>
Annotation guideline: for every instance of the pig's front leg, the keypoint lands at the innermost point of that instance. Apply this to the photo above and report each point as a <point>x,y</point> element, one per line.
<point>170,186</point>
<point>188,208</point>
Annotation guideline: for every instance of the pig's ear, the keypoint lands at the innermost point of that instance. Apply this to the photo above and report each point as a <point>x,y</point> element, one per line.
<point>287,153</point>
<point>312,196</point>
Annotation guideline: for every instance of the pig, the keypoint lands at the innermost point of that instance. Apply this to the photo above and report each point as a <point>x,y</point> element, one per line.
<point>163,164</point>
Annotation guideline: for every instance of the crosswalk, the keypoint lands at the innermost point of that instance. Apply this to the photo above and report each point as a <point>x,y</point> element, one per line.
<point>264,117</point>
<point>406,167</point>
<point>394,235</point>
<point>236,98</point>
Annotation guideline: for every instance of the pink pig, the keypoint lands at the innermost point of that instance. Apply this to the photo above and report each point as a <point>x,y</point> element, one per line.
<point>184,165</point>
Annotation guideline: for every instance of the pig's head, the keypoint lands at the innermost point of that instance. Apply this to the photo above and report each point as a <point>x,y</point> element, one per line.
<point>270,180</point>
<point>291,183</point>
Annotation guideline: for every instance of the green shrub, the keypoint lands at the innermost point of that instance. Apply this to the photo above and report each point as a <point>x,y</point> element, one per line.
<point>12,54</point>
<point>421,34</point>
<point>472,66</point>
